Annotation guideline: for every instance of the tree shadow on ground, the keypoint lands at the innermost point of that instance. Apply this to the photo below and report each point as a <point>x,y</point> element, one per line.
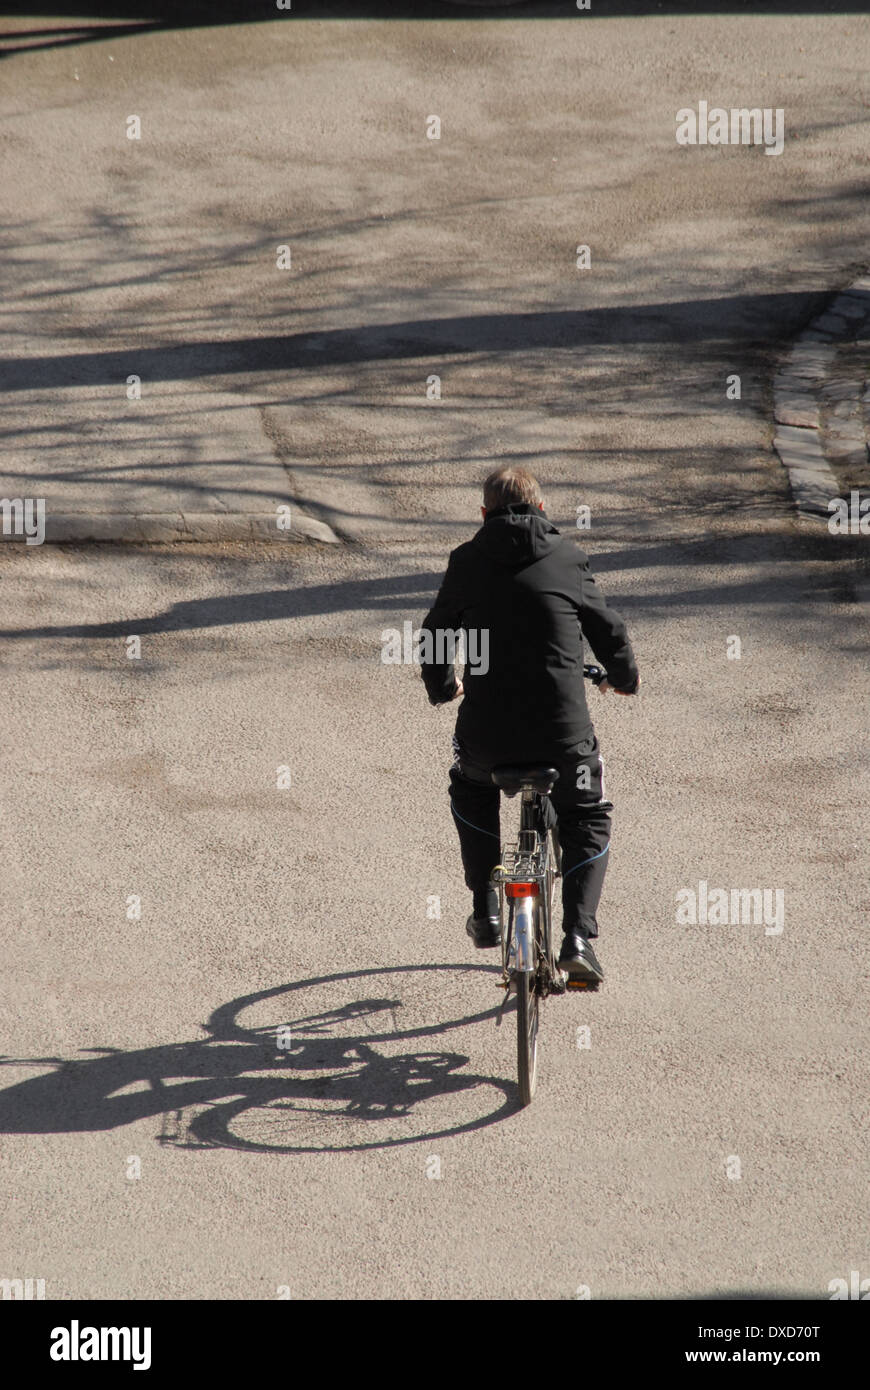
<point>136,17</point>
<point>669,323</point>
<point>412,593</point>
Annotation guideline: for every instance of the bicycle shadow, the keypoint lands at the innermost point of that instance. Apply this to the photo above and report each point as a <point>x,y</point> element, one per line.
<point>284,1087</point>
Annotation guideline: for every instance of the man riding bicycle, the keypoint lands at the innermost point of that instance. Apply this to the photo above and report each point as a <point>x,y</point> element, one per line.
<point>526,594</point>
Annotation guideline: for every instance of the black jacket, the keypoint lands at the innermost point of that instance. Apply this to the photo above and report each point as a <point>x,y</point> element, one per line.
<point>527,592</point>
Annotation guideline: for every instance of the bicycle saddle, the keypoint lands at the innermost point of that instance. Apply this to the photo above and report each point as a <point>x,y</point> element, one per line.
<point>512,777</point>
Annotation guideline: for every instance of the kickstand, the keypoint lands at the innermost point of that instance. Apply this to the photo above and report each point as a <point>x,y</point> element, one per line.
<point>501,1008</point>
<point>507,950</point>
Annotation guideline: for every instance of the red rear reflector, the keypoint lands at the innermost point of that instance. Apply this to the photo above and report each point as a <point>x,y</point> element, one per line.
<point>521,890</point>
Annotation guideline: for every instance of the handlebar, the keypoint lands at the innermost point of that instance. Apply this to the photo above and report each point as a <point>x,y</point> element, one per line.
<point>594,674</point>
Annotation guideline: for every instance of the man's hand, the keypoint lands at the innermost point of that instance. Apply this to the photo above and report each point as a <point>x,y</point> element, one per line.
<point>458,692</point>
<point>605,686</point>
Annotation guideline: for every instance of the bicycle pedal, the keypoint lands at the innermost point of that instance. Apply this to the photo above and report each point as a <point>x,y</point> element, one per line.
<point>573,983</point>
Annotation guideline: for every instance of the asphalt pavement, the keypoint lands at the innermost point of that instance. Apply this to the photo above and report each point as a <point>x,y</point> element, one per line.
<point>249,1051</point>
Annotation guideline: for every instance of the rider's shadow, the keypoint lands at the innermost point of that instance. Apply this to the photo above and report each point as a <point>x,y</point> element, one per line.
<point>326,1065</point>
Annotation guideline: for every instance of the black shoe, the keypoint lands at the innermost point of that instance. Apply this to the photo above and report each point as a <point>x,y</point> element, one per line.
<point>484,931</point>
<point>579,959</point>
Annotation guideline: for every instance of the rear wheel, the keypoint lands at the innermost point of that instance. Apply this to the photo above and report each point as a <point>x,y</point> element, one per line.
<point>528,1006</point>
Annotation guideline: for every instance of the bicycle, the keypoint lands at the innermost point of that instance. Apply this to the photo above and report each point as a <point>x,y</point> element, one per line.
<point>526,882</point>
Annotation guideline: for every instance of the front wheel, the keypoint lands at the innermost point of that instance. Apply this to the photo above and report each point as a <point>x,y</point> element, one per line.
<point>528,1004</point>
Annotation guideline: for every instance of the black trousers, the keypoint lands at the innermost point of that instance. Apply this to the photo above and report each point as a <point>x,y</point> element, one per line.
<point>581,812</point>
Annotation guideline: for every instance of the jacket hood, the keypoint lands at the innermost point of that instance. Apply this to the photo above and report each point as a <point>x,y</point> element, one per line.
<point>517,535</point>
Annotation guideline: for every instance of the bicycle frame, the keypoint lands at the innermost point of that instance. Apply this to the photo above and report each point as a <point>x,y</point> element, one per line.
<point>526,879</point>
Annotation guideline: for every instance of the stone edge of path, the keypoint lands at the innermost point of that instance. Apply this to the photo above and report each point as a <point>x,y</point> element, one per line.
<point>160,527</point>
<point>797,392</point>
